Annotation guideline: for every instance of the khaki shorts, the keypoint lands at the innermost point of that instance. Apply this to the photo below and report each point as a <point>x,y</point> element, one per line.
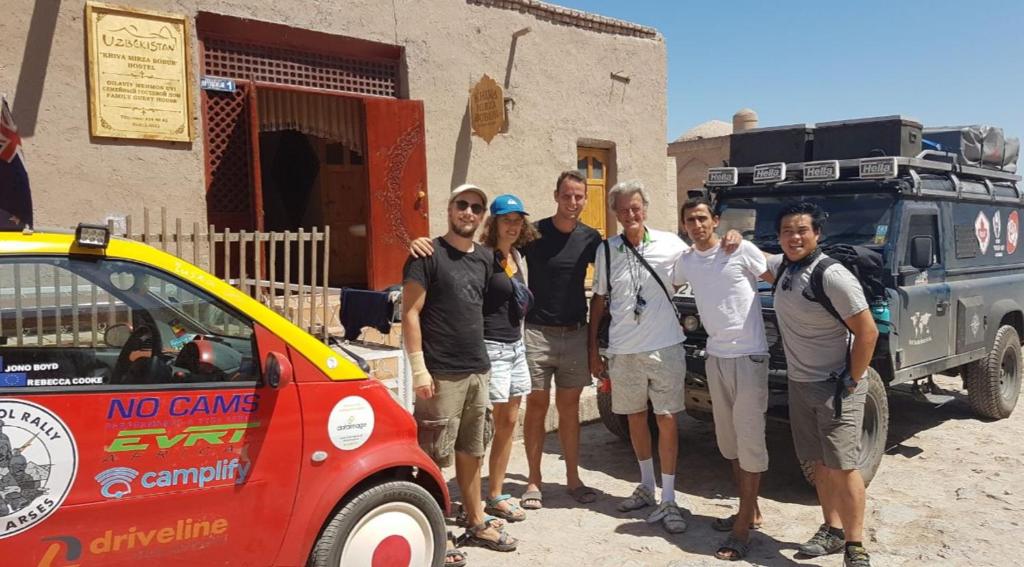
<point>559,353</point>
<point>455,418</point>
<point>817,434</point>
<point>656,375</point>
<point>739,398</point>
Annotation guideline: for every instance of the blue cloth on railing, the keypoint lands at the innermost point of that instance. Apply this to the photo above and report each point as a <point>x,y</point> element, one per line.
<point>363,308</point>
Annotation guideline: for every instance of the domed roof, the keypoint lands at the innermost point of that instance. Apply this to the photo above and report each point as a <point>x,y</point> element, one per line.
<point>709,129</point>
<point>745,113</point>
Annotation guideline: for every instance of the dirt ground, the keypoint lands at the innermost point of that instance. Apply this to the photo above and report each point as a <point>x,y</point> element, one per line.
<point>950,491</point>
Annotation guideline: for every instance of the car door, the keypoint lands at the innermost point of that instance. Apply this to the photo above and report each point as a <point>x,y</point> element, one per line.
<point>925,317</point>
<point>134,400</point>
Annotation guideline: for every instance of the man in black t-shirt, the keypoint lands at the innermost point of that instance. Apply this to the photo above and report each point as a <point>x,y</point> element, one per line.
<point>443,330</point>
<point>556,332</point>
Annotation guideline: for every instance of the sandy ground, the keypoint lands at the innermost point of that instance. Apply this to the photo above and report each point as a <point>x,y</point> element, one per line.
<point>950,491</point>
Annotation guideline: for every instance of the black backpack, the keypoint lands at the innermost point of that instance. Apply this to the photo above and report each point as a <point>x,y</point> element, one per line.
<point>864,263</point>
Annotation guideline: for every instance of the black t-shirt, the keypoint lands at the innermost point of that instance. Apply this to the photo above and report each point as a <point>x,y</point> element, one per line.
<point>501,322</point>
<point>558,265</point>
<point>452,322</point>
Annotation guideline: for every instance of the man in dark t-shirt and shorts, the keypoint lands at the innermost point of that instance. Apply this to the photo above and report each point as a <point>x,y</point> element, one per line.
<point>442,326</point>
<point>556,333</point>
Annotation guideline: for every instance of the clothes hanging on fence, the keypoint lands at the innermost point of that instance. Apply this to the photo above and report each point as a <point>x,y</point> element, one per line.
<point>363,308</point>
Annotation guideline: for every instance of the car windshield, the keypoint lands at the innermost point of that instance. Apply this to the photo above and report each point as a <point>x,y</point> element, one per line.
<point>852,219</point>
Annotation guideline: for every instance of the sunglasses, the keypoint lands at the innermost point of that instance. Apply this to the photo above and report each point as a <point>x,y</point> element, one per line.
<point>477,208</point>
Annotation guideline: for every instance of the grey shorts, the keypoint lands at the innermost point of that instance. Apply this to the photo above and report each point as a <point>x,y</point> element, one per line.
<point>455,418</point>
<point>817,434</point>
<point>739,399</point>
<point>510,377</point>
<point>559,353</point>
<point>656,375</point>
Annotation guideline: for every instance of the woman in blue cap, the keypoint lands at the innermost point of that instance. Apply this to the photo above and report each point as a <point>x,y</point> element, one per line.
<point>505,304</point>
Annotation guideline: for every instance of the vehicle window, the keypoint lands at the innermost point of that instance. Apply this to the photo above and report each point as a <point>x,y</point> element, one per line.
<point>923,225</point>
<point>852,219</point>
<point>77,323</point>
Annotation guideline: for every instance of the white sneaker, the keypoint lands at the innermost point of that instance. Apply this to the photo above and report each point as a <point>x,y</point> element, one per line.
<point>642,497</point>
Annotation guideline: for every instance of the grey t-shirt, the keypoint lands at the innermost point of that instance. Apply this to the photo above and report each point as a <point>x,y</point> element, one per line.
<point>815,342</point>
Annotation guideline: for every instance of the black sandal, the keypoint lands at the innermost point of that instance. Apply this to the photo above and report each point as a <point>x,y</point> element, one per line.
<point>505,542</point>
<point>732,549</point>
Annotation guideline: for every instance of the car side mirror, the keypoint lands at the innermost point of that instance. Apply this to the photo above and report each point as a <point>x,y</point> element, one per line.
<point>278,370</point>
<point>921,252</point>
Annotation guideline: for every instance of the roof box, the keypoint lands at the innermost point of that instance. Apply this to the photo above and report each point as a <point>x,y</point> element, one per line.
<point>788,144</point>
<point>884,136</point>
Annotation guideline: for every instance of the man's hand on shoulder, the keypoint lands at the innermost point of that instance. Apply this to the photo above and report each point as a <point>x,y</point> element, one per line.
<point>732,240</point>
<point>421,247</point>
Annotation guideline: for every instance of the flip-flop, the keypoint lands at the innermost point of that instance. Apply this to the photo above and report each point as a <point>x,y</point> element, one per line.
<point>726,524</point>
<point>532,500</point>
<point>514,512</point>
<point>583,494</point>
<point>738,548</point>
<point>453,556</point>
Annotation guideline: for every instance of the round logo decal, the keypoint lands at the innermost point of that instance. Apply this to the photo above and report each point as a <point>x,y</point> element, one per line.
<point>38,463</point>
<point>982,231</point>
<point>1012,232</point>
<point>351,423</point>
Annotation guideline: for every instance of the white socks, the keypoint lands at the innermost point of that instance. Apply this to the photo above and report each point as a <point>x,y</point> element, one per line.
<point>668,488</point>
<point>647,474</point>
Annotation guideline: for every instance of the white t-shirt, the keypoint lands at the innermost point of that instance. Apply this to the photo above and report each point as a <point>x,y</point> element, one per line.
<point>725,290</point>
<point>657,327</point>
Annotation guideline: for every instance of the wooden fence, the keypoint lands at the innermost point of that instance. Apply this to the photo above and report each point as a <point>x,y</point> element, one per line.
<point>286,271</point>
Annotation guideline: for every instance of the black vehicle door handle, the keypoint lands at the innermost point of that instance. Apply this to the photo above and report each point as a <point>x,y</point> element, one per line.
<point>941,306</point>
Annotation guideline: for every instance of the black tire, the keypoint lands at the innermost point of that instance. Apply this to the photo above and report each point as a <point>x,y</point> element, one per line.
<point>617,424</point>
<point>874,431</point>
<point>353,535</point>
<point>993,383</point>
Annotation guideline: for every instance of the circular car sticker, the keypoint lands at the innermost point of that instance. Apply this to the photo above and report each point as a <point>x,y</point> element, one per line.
<point>982,229</point>
<point>1012,232</point>
<point>38,463</point>
<point>350,423</point>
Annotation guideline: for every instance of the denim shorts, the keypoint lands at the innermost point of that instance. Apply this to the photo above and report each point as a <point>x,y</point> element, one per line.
<point>510,377</point>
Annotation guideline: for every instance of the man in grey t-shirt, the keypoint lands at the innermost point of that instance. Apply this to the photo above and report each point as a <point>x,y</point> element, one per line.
<point>816,346</point>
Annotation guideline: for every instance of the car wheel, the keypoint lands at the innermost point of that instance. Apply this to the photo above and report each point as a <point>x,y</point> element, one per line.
<point>617,424</point>
<point>394,523</point>
<point>993,383</point>
<point>874,431</point>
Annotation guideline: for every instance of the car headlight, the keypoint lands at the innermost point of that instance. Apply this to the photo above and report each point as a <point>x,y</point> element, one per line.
<point>691,323</point>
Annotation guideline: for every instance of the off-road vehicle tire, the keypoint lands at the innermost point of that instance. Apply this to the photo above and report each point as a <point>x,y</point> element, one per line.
<point>874,431</point>
<point>394,509</point>
<point>993,383</point>
<point>619,424</point>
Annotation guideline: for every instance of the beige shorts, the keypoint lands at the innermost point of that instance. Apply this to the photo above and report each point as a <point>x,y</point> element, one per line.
<point>455,418</point>
<point>655,375</point>
<point>817,434</point>
<point>739,399</point>
<point>558,353</point>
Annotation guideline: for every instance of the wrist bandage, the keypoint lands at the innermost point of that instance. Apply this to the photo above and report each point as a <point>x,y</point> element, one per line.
<point>420,375</point>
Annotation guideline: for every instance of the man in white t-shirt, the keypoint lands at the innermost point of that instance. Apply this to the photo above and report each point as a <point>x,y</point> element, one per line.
<point>725,289</point>
<point>647,360</point>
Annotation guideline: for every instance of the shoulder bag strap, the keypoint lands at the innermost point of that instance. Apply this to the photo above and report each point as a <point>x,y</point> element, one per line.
<point>643,262</point>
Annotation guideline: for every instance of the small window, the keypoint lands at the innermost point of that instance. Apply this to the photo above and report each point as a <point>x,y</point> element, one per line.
<point>73,323</point>
<point>598,172</point>
<point>923,225</point>
<point>582,166</point>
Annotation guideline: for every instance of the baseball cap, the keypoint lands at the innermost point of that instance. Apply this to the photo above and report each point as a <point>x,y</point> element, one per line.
<point>467,187</point>
<point>505,204</point>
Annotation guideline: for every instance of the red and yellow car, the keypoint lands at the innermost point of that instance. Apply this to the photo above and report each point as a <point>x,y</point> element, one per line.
<point>152,414</point>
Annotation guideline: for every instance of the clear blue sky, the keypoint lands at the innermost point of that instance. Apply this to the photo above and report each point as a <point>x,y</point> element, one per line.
<point>943,62</point>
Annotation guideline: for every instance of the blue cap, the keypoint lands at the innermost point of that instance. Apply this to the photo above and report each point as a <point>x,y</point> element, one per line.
<point>505,204</point>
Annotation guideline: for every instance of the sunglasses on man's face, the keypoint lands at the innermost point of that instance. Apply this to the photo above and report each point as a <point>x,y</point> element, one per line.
<point>477,208</point>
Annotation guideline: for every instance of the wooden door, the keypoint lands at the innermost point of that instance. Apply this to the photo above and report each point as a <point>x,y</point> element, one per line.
<point>396,161</point>
<point>233,194</point>
<point>594,163</point>
<point>343,198</point>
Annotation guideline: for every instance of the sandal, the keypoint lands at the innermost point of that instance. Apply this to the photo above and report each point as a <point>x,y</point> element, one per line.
<point>454,557</point>
<point>732,549</point>
<point>670,516</point>
<point>505,541</point>
<point>531,500</point>
<point>512,513</point>
<point>583,494</point>
<point>726,524</point>
<point>491,521</point>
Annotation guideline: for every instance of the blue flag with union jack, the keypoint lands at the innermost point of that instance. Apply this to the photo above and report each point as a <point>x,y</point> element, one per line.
<point>15,196</point>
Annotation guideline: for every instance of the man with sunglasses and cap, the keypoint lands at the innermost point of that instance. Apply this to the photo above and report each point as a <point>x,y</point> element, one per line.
<point>443,331</point>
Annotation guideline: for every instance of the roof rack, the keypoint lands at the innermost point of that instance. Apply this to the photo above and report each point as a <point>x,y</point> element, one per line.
<point>927,163</point>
